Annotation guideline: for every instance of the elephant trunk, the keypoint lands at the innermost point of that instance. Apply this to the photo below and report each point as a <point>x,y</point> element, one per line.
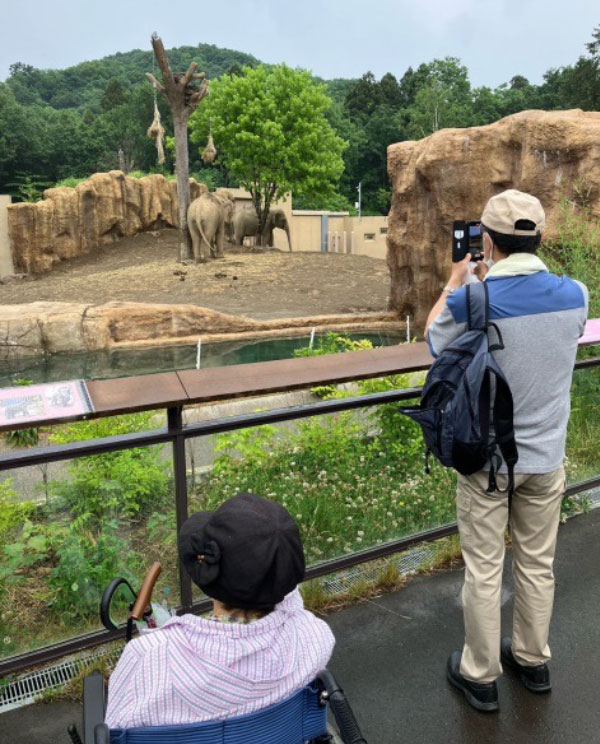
<point>289,237</point>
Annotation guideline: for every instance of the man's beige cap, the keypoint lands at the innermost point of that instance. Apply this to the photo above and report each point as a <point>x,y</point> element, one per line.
<point>502,212</point>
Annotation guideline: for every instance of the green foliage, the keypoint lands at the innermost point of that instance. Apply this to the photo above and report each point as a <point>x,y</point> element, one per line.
<point>575,249</point>
<point>344,486</point>
<point>271,133</point>
<point>28,187</point>
<point>85,84</point>
<point>12,510</point>
<point>333,343</point>
<point>70,182</point>
<point>113,95</point>
<point>125,484</point>
<point>76,565</point>
<point>442,100</point>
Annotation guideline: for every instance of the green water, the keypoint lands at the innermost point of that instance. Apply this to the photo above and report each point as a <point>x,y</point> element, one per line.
<point>100,365</point>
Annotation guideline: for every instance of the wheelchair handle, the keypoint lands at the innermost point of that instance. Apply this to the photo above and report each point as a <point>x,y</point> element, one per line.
<point>107,599</point>
<point>144,597</point>
<point>342,712</point>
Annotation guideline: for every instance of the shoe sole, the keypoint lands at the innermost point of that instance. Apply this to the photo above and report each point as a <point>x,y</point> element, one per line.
<point>538,689</point>
<point>477,704</point>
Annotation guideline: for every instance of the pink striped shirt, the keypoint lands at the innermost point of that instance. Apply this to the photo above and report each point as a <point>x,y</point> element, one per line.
<point>193,669</point>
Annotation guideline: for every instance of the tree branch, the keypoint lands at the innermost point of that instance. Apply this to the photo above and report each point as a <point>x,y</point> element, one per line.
<point>185,80</point>
<point>196,97</point>
<point>163,63</point>
<point>160,88</point>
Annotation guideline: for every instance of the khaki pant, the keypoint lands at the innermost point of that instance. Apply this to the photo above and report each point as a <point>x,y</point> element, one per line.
<point>482,519</point>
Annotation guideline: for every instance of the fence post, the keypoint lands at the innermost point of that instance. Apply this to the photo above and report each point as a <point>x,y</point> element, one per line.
<point>175,423</point>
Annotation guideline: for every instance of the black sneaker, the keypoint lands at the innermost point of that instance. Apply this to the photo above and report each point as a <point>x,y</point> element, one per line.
<point>535,678</point>
<point>483,697</point>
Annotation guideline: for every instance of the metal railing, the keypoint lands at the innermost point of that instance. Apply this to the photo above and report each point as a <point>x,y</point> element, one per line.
<point>176,433</point>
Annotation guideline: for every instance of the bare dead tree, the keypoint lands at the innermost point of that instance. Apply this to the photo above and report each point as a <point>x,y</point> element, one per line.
<point>183,92</point>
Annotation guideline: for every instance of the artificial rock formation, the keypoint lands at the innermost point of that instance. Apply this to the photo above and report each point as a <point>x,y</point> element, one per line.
<point>451,174</point>
<point>39,328</point>
<point>69,222</point>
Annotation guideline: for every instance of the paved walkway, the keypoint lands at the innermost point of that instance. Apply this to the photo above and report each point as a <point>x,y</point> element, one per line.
<point>391,653</point>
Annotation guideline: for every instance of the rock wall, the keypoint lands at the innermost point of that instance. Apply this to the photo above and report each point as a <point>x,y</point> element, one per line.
<point>69,222</point>
<point>451,175</point>
<point>39,328</point>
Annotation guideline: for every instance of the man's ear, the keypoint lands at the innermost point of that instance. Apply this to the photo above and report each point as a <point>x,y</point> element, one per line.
<point>488,243</point>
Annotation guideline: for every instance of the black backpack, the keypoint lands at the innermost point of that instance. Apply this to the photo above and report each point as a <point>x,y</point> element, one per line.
<point>456,403</point>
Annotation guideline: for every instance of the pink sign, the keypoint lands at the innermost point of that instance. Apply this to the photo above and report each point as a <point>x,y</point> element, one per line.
<point>38,403</point>
<point>591,335</point>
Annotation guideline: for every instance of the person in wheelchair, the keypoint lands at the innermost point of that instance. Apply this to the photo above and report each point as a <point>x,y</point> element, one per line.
<point>256,647</point>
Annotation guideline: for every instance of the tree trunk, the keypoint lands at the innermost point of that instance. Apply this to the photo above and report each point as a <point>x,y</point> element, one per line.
<point>182,169</point>
<point>183,96</point>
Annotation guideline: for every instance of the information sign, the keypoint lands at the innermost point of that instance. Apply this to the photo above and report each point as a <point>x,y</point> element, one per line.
<point>39,403</point>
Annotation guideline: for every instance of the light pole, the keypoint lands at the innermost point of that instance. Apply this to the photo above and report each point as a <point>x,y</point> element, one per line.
<point>359,202</point>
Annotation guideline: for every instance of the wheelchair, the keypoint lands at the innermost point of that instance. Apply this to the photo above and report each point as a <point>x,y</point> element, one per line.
<point>301,718</point>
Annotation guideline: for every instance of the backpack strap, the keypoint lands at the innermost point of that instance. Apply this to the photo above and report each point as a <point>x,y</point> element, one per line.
<point>504,438</point>
<point>478,306</point>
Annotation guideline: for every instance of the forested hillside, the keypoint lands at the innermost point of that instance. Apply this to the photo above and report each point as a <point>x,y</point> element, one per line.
<point>57,124</point>
<point>83,85</point>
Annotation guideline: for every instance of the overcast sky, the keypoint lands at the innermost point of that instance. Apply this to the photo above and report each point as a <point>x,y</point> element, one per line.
<point>495,39</point>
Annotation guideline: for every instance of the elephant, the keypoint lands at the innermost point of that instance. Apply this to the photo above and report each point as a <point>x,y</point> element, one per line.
<point>245,224</point>
<point>207,217</point>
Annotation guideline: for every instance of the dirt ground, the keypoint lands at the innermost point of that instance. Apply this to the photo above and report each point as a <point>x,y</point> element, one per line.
<point>263,285</point>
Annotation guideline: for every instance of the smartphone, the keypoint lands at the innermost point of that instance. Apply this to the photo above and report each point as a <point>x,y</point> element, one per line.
<point>466,238</point>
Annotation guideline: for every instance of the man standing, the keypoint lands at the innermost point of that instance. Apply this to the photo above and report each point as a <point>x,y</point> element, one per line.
<point>541,317</point>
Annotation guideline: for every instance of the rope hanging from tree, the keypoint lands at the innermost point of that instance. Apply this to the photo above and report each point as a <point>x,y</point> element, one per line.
<point>210,151</point>
<point>156,131</point>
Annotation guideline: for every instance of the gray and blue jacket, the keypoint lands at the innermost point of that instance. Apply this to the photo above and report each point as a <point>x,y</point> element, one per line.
<point>541,317</point>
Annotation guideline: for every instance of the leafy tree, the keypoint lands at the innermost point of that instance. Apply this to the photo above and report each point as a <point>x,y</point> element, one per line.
<point>113,95</point>
<point>443,100</point>
<point>364,97</point>
<point>391,94</point>
<point>593,46</point>
<point>518,82</point>
<point>271,132</point>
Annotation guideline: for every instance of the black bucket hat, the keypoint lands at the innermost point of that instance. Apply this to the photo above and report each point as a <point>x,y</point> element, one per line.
<point>246,554</point>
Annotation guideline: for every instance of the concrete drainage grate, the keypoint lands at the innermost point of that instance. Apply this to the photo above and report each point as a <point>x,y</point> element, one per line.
<point>408,563</point>
<point>27,688</point>
<point>594,497</point>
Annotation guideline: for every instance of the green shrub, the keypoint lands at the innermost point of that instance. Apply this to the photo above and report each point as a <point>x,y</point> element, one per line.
<point>76,566</point>
<point>70,182</point>
<point>120,484</point>
<point>575,250</point>
<point>12,510</point>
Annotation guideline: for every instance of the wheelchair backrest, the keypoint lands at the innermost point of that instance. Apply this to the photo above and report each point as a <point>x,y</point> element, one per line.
<point>296,720</point>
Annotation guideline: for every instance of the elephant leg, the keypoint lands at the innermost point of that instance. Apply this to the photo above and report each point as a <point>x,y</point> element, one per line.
<point>196,240</point>
<point>220,241</point>
<point>205,243</point>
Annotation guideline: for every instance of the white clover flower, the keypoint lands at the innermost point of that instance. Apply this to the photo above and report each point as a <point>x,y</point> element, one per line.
<point>330,539</point>
<point>359,539</point>
<point>360,533</point>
